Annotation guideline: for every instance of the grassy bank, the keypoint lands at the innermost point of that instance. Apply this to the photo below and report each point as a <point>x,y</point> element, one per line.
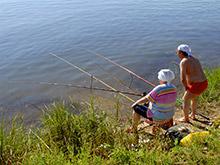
<point>209,102</point>
<point>76,134</point>
<point>212,95</point>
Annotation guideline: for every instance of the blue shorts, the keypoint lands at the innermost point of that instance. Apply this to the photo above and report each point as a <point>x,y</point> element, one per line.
<point>142,110</point>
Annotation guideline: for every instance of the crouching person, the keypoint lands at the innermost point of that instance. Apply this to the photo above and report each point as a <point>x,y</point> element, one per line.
<point>159,104</point>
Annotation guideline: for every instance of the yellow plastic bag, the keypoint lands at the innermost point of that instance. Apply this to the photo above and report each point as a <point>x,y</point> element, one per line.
<point>187,140</point>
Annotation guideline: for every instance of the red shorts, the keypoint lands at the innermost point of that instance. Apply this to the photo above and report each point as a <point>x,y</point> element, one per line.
<point>197,88</point>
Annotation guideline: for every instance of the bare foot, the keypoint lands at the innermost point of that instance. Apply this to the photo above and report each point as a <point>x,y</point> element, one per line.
<point>148,121</point>
<point>183,120</point>
<point>193,117</point>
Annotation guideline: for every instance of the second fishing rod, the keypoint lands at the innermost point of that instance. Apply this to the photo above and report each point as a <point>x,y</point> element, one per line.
<point>179,100</point>
<point>92,76</point>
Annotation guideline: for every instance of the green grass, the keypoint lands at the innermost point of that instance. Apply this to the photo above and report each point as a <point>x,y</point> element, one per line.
<point>209,102</point>
<point>75,134</point>
<point>211,97</point>
<point>213,92</point>
<point>94,138</point>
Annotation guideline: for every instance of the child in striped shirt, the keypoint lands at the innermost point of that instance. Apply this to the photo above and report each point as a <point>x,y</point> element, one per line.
<point>161,101</point>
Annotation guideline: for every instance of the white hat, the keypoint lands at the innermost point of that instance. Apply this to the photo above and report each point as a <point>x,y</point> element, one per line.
<point>166,75</point>
<point>185,48</point>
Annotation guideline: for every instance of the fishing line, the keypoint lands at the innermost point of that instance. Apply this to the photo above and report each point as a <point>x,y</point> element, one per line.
<point>90,75</point>
<point>75,86</point>
<point>122,67</point>
<point>118,80</point>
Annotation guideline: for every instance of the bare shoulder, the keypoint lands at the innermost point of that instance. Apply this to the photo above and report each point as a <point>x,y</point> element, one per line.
<point>184,62</point>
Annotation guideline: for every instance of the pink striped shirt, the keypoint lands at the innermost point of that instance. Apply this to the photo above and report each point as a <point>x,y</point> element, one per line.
<point>163,99</point>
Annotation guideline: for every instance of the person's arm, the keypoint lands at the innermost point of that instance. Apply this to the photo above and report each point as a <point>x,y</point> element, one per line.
<point>183,68</point>
<point>140,101</point>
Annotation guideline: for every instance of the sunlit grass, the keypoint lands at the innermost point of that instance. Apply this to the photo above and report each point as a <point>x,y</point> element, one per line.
<point>213,92</point>
<point>71,133</point>
<point>94,138</point>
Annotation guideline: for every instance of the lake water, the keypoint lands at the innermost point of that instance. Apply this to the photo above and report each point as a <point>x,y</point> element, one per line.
<point>141,35</point>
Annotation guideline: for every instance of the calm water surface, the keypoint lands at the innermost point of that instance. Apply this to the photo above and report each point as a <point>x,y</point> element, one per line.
<point>141,35</point>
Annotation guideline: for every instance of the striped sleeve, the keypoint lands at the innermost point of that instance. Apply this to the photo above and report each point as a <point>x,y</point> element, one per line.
<point>152,95</point>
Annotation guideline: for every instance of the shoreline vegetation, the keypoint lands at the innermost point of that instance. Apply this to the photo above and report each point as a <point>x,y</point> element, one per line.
<point>83,134</point>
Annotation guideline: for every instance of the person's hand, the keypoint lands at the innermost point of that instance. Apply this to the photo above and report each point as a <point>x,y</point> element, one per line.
<point>144,94</point>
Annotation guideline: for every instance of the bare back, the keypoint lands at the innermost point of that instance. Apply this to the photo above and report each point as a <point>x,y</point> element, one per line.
<point>194,71</point>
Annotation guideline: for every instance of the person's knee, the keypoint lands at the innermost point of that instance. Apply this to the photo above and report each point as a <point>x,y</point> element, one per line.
<point>188,96</point>
<point>135,115</point>
<point>185,96</point>
<point>194,100</point>
<point>133,112</point>
<point>186,102</point>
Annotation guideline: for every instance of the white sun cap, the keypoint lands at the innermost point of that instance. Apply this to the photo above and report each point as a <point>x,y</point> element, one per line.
<point>185,48</point>
<point>166,75</point>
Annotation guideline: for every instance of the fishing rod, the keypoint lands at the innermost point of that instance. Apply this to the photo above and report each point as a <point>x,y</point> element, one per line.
<point>122,67</point>
<point>139,77</point>
<point>92,76</point>
<point>118,80</point>
<point>76,86</point>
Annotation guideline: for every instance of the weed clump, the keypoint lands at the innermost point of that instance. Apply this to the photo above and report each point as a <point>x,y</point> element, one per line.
<point>75,134</point>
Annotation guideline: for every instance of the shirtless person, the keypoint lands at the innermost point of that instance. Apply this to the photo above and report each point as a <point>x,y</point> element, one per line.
<point>192,78</point>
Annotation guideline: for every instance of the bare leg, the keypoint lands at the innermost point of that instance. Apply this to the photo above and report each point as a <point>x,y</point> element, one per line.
<point>186,106</point>
<point>187,97</point>
<point>194,106</point>
<point>135,121</point>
